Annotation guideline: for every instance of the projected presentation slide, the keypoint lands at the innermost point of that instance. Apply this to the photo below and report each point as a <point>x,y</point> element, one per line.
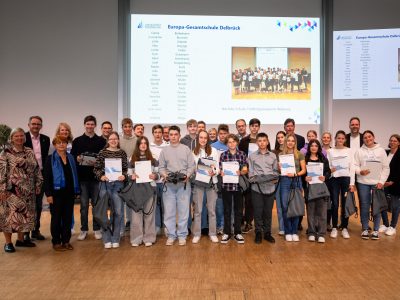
<point>366,64</point>
<point>219,69</point>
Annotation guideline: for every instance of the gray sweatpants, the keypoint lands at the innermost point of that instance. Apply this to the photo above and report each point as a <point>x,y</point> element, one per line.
<point>143,227</point>
<point>316,217</point>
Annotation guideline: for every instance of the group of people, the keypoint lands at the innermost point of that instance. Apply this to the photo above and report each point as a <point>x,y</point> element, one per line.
<point>213,182</point>
<point>270,80</point>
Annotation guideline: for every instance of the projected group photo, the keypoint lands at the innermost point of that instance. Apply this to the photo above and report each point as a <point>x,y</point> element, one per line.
<point>271,73</point>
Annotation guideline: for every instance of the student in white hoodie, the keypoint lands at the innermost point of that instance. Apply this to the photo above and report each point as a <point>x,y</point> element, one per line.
<point>204,150</point>
<point>367,180</point>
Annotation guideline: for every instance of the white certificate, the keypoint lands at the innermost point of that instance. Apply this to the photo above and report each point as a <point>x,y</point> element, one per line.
<point>230,175</point>
<point>341,164</point>
<point>287,164</point>
<point>202,173</point>
<point>253,147</point>
<point>113,168</point>
<point>142,171</point>
<point>375,169</point>
<point>314,170</point>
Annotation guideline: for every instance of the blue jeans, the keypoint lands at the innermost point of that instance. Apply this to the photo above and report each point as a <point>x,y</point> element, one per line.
<point>219,212</point>
<point>364,194</point>
<point>89,190</point>
<point>339,187</point>
<point>395,212</point>
<point>111,189</point>
<point>176,200</point>
<point>284,191</point>
<point>279,210</point>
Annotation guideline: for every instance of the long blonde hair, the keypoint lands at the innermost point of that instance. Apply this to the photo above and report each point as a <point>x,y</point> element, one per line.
<point>285,148</point>
<point>63,124</point>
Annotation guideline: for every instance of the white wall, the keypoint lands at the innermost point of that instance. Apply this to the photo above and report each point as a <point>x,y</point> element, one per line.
<point>58,59</point>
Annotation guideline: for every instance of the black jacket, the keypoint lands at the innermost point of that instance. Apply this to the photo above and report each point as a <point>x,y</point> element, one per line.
<point>44,145</point>
<point>394,174</point>
<point>347,143</point>
<point>300,141</point>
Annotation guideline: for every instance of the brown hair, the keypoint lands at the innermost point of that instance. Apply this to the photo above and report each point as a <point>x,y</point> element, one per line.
<point>63,124</point>
<point>147,153</point>
<point>112,133</point>
<point>207,148</point>
<point>231,136</point>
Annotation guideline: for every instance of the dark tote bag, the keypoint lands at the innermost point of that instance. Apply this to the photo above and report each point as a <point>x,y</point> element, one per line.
<point>296,206</point>
<point>379,201</point>
<point>102,205</point>
<point>136,195</point>
<point>350,207</point>
<point>317,191</point>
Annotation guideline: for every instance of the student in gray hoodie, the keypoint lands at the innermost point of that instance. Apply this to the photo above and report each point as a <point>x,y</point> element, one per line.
<point>190,139</point>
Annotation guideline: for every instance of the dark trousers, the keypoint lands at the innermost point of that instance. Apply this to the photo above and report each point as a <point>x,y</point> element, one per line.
<point>236,198</point>
<point>316,217</point>
<point>262,205</point>
<point>61,211</point>
<point>248,208</point>
<point>38,207</point>
<point>338,188</point>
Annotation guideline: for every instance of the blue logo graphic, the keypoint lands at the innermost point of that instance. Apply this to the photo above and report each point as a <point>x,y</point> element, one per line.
<point>140,25</point>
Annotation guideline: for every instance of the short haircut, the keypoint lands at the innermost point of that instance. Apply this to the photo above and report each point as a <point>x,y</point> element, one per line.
<point>90,118</point>
<point>355,118</point>
<point>58,139</point>
<point>14,131</point>
<point>137,125</point>
<point>289,120</point>
<point>232,136</point>
<point>126,121</point>
<point>254,121</point>
<point>157,126</point>
<point>223,127</point>
<point>174,127</point>
<point>201,122</point>
<point>166,127</point>
<point>105,123</point>
<point>243,120</point>
<point>191,122</point>
<point>35,117</point>
<point>261,135</point>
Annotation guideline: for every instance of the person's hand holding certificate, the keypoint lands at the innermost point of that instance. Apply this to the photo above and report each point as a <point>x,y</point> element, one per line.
<point>287,164</point>
<point>314,171</point>
<point>143,171</point>
<point>230,172</point>
<point>113,168</point>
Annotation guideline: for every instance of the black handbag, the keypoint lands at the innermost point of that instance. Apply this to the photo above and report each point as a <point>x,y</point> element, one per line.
<point>244,183</point>
<point>296,201</point>
<point>100,209</point>
<point>317,191</point>
<point>136,195</point>
<point>350,207</point>
<point>379,201</point>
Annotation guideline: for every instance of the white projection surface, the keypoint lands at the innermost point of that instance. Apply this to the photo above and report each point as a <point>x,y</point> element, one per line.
<point>221,68</point>
<point>366,64</point>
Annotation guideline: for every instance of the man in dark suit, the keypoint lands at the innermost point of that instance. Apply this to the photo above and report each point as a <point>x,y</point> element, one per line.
<point>289,127</point>
<point>354,139</point>
<point>40,144</point>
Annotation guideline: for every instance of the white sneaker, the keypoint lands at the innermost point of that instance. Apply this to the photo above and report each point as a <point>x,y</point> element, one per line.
<point>311,238</point>
<point>135,244</point>
<point>196,239</point>
<point>289,238</point>
<point>382,228</point>
<point>148,244</point>
<point>97,235</point>
<point>107,245</point>
<point>334,233</point>
<point>295,238</point>
<point>214,239</point>
<point>115,245</point>
<point>345,233</point>
<point>321,239</point>
<point>170,241</point>
<point>181,241</point>
<point>390,231</point>
<point>281,232</point>
<point>82,235</point>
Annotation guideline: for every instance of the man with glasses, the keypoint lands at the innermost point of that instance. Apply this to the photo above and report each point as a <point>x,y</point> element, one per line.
<point>106,129</point>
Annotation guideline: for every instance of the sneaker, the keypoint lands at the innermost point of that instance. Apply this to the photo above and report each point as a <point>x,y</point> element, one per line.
<point>334,233</point>
<point>365,235</point>
<point>247,228</point>
<point>170,241</point>
<point>289,238</point>
<point>225,239</point>
<point>135,244</point>
<point>375,235</point>
<point>214,238</point>
<point>239,238</point>
<point>258,238</point>
<point>148,244</point>
<point>220,231</point>
<point>97,235</point>
<point>295,238</point>
<point>382,228</point>
<point>182,241</point>
<point>107,245</point>
<point>345,233</point>
<point>115,245</point>
<point>311,238</point>
<point>82,235</point>
<point>390,231</point>
<point>321,239</point>
<point>196,239</point>
<point>281,232</point>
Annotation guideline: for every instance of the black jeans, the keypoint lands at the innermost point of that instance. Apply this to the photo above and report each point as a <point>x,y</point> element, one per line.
<point>248,208</point>
<point>262,205</point>
<point>61,212</point>
<point>236,198</point>
<point>338,188</point>
<point>38,208</point>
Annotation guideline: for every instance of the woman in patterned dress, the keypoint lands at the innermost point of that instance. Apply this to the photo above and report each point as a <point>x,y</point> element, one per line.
<point>20,179</point>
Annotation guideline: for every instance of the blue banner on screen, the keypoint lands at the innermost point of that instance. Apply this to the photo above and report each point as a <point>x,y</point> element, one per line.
<point>219,69</point>
<point>366,64</point>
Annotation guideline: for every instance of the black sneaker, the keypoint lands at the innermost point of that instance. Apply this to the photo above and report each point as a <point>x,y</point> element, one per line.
<point>269,238</point>
<point>365,235</point>
<point>9,248</point>
<point>374,235</point>
<point>258,238</point>
<point>239,238</point>
<point>38,236</point>
<point>247,228</point>
<point>25,243</point>
<point>225,239</point>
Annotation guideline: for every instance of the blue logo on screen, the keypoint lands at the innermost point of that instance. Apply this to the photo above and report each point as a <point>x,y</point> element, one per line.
<point>140,25</point>
<point>338,38</point>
